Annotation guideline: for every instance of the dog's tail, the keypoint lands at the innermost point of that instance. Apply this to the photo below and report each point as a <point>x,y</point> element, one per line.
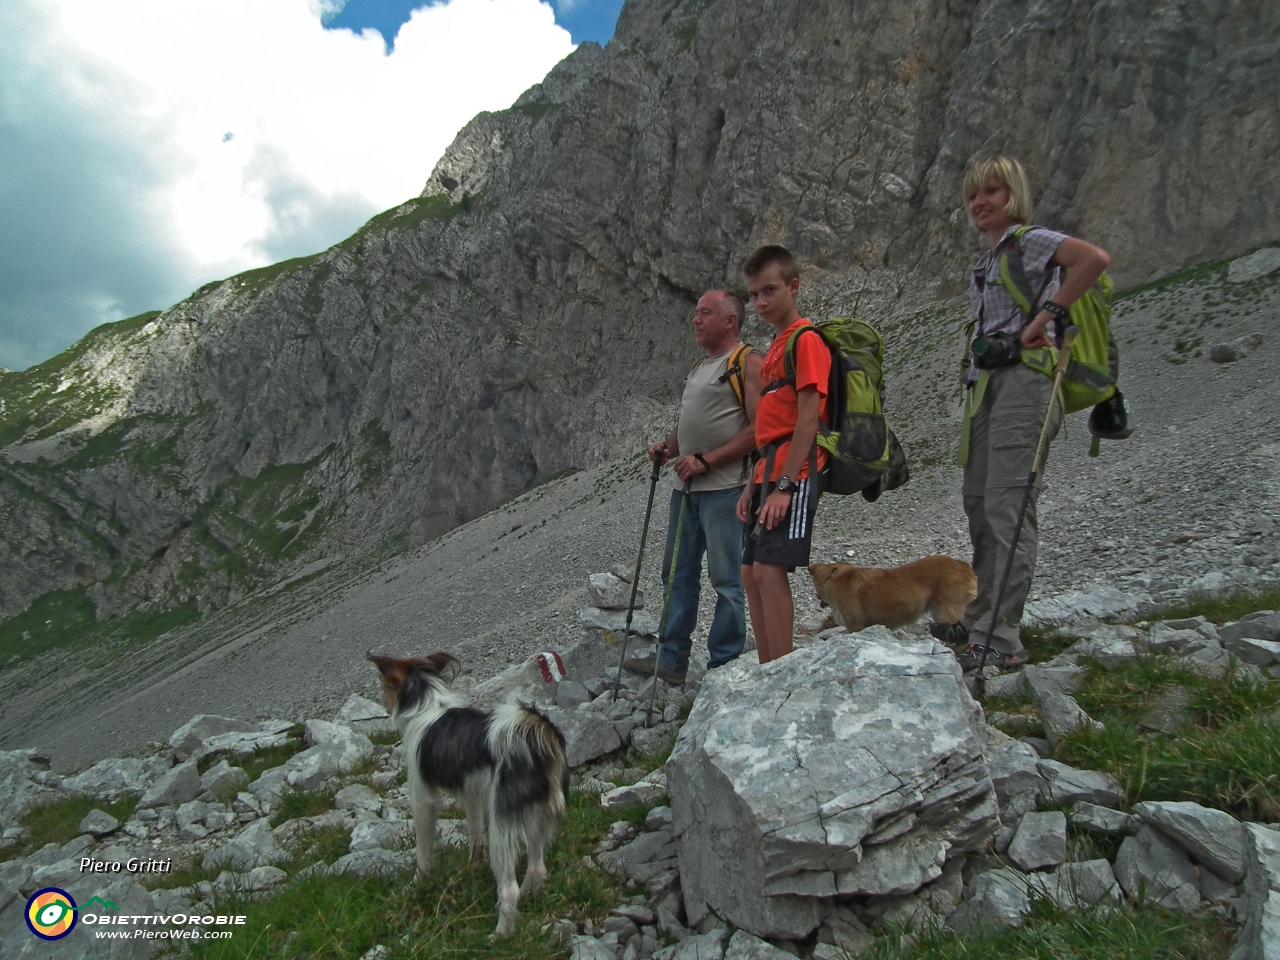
<point>526,744</point>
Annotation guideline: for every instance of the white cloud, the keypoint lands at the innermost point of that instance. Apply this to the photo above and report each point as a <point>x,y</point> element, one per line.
<point>325,127</point>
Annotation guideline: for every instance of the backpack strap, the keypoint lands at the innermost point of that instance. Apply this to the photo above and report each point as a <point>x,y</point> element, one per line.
<point>1013,274</point>
<point>789,359</point>
<point>735,373</point>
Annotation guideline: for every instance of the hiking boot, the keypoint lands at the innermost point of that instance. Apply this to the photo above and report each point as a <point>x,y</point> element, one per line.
<point>973,658</point>
<point>644,667</point>
<point>952,634</point>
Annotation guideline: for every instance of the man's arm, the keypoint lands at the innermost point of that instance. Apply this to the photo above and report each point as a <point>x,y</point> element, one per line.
<point>807,403</point>
<point>741,443</point>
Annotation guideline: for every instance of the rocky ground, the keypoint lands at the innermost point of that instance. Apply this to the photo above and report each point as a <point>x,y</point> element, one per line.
<point>1190,502</point>
<point>970,829</point>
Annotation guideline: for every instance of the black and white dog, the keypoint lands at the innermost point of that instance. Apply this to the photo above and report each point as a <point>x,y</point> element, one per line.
<point>507,764</point>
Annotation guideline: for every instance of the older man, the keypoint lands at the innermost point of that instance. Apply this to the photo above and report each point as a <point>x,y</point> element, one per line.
<point>710,448</point>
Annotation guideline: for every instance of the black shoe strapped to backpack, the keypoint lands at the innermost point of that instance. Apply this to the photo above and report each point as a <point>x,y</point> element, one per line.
<point>952,634</point>
<point>979,655</point>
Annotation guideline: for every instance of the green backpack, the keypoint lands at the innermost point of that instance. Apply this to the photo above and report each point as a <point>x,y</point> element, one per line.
<point>865,456</point>
<point>1095,360</point>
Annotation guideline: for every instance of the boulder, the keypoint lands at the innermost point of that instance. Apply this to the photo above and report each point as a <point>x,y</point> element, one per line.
<point>186,740</point>
<point>254,846</point>
<point>243,742</point>
<point>1262,625</point>
<point>1065,784</point>
<point>1056,676</point>
<point>1062,715</point>
<point>381,835</point>
<point>589,948</point>
<point>364,863</point>
<point>642,623</point>
<point>174,788</point>
<point>357,708</point>
<point>586,737</point>
<point>1096,819</point>
<point>609,592</point>
<point>1255,265</point>
<point>706,946</point>
<point>190,819</point>
<point>1099,601</point>
<point>98,823</point>
<point>1154,866</point>
<point>110,778</point>
<point>744,946</point>
<point>1089,883</point>
<point>19,792</point>
<point>322,731</point>
<point>1234,350</point>
<point>1015,774</point>
<point>357,796</point>
<point>312,767</point>
<point>1212,837</point>
<point>571,693</point>
<point>1166,637</point>
<point>223,779</point>
<point>645,792</point>
<point>1259,937</point>
<point>1040,841</point>
<point>270,786</point>
<point>995,899</point>
<point>851,767</point>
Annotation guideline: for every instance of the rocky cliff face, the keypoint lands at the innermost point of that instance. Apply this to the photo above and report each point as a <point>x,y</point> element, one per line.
<point>528,313</point>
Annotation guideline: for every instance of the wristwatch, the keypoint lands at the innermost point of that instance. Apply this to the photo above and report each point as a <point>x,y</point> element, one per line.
<point>785,485</point>
<point>1057,311</point>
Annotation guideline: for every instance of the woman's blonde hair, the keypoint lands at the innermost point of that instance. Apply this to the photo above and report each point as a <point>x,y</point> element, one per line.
<point>1009,173</point>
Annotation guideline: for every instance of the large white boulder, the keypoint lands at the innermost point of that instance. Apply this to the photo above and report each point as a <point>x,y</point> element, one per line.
<point>852,767</point>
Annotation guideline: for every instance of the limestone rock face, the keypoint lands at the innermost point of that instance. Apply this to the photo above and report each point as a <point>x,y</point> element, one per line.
<point>528,313</point>
<point>854,766</point>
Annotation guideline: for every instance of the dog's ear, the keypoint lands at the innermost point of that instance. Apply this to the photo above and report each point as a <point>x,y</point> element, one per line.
<point>393,670</point>
<point>438,663</point>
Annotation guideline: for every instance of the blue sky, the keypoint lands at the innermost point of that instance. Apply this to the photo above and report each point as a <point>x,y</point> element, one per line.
<point>149,147</point>
<point>584,19</point>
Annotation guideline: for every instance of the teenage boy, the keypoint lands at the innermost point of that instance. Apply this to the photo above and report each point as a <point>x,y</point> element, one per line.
<point>778,506</point>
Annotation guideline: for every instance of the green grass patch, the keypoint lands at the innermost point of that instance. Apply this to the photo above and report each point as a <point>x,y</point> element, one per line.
<point>1053,934</point>
<point>448,915</point>
<point>301,803</point>
<point>65,618</point>
<point>1225,607</point>
<point>1226,754</point>
<point>59,822</point>
<point>536,109</point>
<point>256,763</point>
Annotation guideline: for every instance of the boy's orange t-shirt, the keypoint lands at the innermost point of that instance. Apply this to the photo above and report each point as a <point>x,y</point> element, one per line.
<point>778,409</point>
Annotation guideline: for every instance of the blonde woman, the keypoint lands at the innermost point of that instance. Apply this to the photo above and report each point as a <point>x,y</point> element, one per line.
<point>1006,399</point>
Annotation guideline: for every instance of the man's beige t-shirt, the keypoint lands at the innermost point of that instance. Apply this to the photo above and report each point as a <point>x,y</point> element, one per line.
<point>710,416</point>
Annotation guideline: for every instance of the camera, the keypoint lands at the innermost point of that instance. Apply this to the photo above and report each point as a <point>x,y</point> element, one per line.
<point>996,350</point>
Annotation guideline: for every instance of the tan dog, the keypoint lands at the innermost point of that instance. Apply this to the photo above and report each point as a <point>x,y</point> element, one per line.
<point>862,596</point>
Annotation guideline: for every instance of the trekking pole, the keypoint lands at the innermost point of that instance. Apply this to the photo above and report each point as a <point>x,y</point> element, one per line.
<point>635,574</point>
<point>666,599</point>
<point>1042,448</point>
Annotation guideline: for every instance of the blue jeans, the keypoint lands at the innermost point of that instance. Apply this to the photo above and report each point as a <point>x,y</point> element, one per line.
<point>711,526</point>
